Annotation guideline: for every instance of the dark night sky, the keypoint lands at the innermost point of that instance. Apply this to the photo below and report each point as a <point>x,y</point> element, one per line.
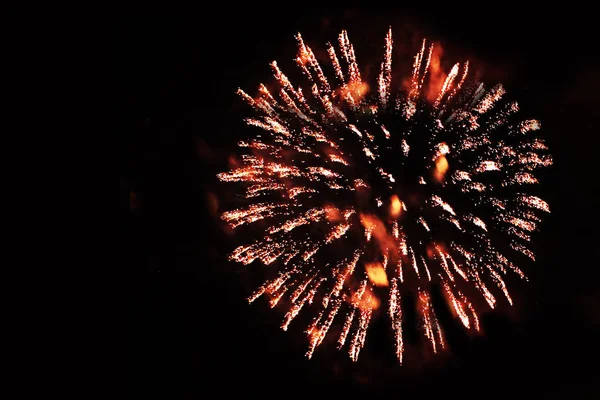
<point>190,329</point>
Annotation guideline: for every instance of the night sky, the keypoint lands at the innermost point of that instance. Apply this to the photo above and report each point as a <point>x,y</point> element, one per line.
<point>190,330</point>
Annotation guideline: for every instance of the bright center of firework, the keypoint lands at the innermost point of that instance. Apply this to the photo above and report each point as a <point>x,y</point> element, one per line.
<point>361,198</point>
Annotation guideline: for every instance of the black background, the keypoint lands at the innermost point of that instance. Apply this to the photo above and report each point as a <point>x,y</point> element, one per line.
<point>191,332</point>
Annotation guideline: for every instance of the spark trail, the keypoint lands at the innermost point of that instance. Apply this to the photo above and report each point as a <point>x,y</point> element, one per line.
<point>360,198</point>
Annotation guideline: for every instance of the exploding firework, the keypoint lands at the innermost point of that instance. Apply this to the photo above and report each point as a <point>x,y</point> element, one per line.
<point>360,196</point>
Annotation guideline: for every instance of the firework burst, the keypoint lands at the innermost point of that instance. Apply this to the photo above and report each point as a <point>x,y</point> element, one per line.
<point>360,196</point>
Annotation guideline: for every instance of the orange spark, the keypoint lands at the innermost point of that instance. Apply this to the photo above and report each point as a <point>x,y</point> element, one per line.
<point>395,207</point>
<point>441,167</point>
<point>355,90</point>
<point>376,274</point>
